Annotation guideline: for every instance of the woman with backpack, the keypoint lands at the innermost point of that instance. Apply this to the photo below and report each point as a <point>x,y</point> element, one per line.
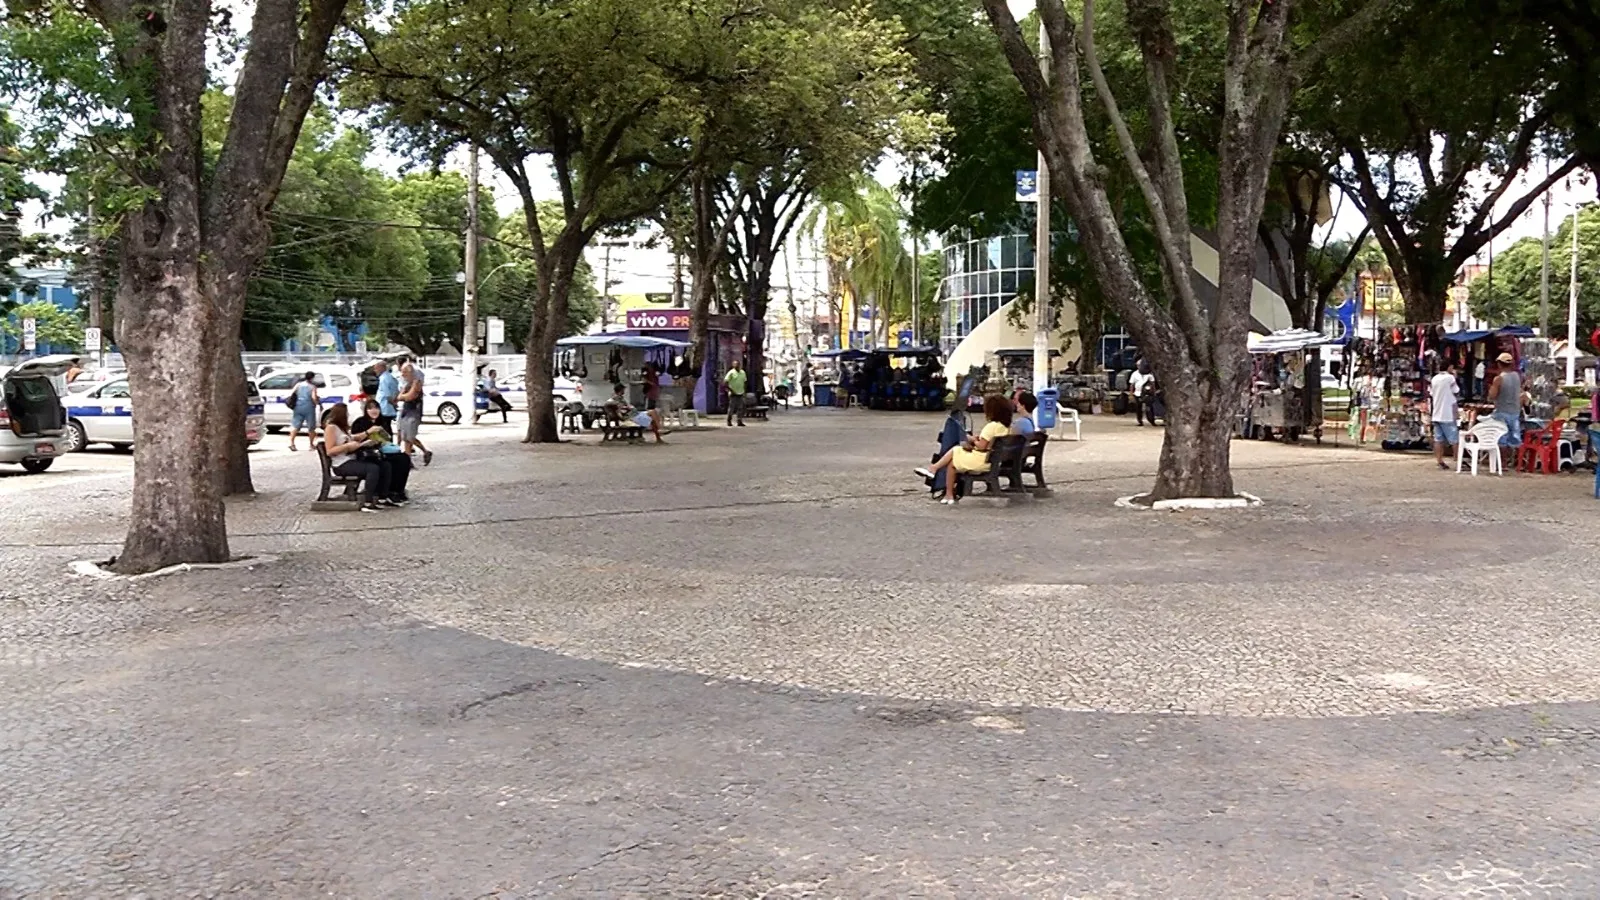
<point>304,401</point>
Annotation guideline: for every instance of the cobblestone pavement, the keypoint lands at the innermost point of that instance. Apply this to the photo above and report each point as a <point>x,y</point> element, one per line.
<point>757,663</point>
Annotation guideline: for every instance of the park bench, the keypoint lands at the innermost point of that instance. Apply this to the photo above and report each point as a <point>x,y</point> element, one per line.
<point>330,479</point>
<point>1005,461</point>
<point>756,410</point>
<point>615,428</point>
<point>1032,463</point>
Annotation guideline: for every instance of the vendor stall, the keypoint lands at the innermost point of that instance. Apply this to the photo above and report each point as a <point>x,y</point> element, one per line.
<point>599,362</point>
<point>1281,397</point>
<point>1391,374</point>
<point>725,342</point>
<point>907,378</point>
<point>837,375</point>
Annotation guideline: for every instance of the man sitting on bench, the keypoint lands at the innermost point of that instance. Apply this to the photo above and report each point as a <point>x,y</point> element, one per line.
<point>972,457</point>
<point>618,411</point>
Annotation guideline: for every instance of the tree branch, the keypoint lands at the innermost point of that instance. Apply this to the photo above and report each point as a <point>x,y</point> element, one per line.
<point>1340,36</point>
<point>1176,257</point>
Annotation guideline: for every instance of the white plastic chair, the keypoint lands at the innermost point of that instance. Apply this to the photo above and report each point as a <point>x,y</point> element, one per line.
<point>1483,438</point>
<point>1066,414</point>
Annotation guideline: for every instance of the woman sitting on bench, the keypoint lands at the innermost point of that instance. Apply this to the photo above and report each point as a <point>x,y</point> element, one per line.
<point>972,457</point>
<point>345,451</point>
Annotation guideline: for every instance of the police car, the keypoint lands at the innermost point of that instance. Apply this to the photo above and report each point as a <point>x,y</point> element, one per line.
<point>335,384</point>
<point>104,415</point>
<point>444,394</point>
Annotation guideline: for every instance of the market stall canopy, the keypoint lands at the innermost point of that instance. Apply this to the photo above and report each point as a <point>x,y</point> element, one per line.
<point>634,341</point>
<point>1468,337</point>
<point>1288,340</point>
<point>850,355</point>
<point>909,351</point>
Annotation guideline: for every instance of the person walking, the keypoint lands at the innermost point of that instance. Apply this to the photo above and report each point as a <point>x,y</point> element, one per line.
<point>735,380</point>
<point>1443,391</point>
<point>409,422</point>
<point>1141,386</point>
<point>388,389</point>
<point>805,385</point>
<point>1506,395</point>
<point>304,406</point>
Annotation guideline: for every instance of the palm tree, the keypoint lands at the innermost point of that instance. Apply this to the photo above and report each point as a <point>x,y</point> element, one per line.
<point>862,226</point>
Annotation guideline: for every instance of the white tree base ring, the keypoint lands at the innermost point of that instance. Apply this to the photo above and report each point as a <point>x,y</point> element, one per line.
<point>1239,501</point>
<point>90,569</point>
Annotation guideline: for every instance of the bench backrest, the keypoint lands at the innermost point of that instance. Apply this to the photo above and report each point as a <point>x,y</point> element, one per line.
<point>322,457</point>
<point>1006,450</point>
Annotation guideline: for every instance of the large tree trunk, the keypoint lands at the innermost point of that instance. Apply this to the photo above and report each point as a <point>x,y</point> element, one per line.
<point>232,450</point>
<point>551,303</point>
<point>1199,433</point>
<point>757,297</point>
<point>178,512</point>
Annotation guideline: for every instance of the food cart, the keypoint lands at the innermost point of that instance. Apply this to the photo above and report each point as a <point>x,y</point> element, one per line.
<point>1281,397</point>
<point>599,362</point>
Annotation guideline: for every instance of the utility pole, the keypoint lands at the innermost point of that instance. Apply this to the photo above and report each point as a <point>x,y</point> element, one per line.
<point>1572,304</point>
<point>1041,249</point>
<point>916,265</point>
<point>95,286</point>
<point>469,308</point>
<point>1544,266</point>
<point>605,290</point>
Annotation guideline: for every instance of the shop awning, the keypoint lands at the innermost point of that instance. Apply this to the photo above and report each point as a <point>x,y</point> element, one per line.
<point>1467,337</point>
<point>850,355</point>
<point>1288,340</point>
<point>634,341</point>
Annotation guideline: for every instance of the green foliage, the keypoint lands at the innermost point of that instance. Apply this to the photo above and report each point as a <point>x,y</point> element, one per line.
<point>326,259</point>
<point>510,294</point>
<point>1512,296</point>
<point>52,324</point>
<point>15,190</point>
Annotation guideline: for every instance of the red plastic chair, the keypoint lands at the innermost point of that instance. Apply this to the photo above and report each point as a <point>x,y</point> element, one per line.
<point>1540,449</point>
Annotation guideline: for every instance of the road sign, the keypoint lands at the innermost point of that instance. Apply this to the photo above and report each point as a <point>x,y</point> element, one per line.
<point>91,339</point>
<point>1027,185</point>
<point>497,330</point>
<point>30,333</point>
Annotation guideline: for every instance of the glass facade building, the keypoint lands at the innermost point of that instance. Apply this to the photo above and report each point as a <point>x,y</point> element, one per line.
<point>979,277</point>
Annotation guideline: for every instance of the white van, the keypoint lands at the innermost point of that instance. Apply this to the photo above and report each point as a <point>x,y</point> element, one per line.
<point>33,426</point>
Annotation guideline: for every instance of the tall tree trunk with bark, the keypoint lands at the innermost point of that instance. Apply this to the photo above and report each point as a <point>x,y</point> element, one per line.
<point>708,244</point>
<point>551,305</point>
<point>1202,366</point>
<point>186,249</point>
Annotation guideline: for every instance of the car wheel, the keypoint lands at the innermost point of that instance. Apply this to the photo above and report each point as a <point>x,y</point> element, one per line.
<point>122,448</point>
<point>36,465</point>
<point>275,429</point>
<point>449,414</point>
<point>76,438</point>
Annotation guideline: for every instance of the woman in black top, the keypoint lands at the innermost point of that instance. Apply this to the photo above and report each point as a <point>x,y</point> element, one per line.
<point>390,456</point>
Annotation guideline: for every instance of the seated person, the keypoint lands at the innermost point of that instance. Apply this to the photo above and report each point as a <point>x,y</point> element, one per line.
<point>352,455</point>
<point>1022,422</point>
<point>375,426</point>
<point>972,457</point>
<point>619,411</point>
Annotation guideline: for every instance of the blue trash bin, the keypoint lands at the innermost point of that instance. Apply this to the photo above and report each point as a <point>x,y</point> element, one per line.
<point>1049,411</point>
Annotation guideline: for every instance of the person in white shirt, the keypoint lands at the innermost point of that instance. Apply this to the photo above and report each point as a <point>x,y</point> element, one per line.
<point>1442,396</point>
<point>1141,380</point>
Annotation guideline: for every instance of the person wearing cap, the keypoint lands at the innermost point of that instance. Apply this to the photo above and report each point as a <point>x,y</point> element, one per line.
<point>1506,395</point>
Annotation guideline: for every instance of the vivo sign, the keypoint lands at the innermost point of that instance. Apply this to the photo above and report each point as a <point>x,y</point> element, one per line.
<point>673,319</point>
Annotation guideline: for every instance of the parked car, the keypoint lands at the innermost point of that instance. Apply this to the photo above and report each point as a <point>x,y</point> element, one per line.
<point>33,425</point>
<point>515,390</point>
<point>104,415</point>
<point>335,384</point>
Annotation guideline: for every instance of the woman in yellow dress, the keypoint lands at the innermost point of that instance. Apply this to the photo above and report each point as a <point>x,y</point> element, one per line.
<point>973,456</point>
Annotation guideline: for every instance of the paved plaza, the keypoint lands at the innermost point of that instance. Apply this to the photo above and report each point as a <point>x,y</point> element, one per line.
<point>759,663</point>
